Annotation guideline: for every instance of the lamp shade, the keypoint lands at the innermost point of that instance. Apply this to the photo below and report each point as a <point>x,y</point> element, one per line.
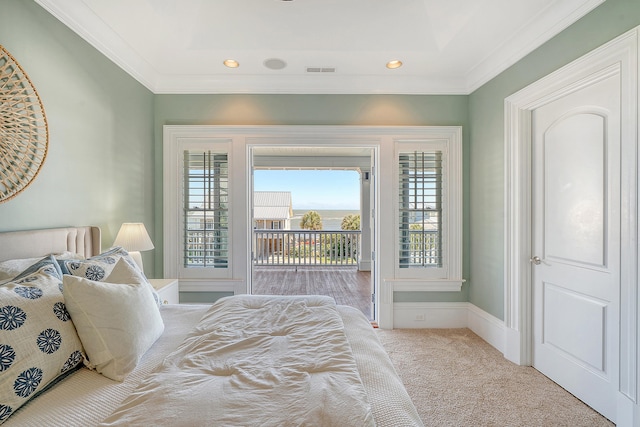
<point>133,236</point>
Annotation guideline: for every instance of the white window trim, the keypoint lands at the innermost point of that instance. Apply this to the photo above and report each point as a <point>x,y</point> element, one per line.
<point>380,139</point>
<point>449,276</point>
<point>174,214</point>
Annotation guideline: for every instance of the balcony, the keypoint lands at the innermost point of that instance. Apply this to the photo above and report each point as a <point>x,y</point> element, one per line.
<point>338,248</point>
<point>346,285</point>
<point>305,262</point>
<point>305,248</point>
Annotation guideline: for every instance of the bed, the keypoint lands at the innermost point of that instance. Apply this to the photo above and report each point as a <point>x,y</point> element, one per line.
<point>245,360</point>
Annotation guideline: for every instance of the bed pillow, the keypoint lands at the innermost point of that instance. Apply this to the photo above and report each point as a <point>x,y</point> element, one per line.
<point>38,341</point>
<point>117,323</point>
<point>12,267</point>
<point>99,267</point>
<point>125,273</point>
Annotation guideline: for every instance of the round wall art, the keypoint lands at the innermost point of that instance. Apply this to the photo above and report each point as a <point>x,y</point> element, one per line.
<point>24,134</point>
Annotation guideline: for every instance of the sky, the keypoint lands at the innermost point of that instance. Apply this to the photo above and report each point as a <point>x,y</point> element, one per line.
<point>313,189</point>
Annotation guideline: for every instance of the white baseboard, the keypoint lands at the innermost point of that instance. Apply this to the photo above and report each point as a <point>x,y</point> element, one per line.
<point>513,350</point>
<point>422,315</point>
<point>486,326</point>
<point>628,412</point>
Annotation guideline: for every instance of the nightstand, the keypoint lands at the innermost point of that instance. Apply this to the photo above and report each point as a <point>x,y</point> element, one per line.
<point>167,289</point>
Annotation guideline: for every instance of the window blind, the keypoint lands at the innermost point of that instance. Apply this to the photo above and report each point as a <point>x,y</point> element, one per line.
<point>206,209</point>
<point>420,209</point>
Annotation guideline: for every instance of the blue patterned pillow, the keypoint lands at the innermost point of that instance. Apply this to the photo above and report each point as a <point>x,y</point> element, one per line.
<point>99,267</point>
<point>38,341</point>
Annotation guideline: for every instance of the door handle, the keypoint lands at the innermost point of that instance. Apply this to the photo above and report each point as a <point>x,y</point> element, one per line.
<point>535,260</point>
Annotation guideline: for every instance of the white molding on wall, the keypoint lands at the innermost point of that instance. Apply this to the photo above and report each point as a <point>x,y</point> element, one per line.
<point>426,285</point>
<point>423,315</point>
<point>486,326</point>
<point>524,42</point>
<point>98,34</point>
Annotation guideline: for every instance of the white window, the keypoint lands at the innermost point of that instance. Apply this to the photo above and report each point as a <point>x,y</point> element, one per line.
<point>198,206</point>
<point>428,214</point>
<point>420,209</point>
<point>205,219</point>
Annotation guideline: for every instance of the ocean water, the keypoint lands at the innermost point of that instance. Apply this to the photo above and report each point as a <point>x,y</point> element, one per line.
<point>331,219</point>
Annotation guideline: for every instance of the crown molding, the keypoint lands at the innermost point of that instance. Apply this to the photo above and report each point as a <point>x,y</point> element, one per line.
<point>519,46</point>
<point>550,21</point>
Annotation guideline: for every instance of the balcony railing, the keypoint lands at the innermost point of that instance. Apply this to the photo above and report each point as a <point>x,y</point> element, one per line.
<point>420,248</point>
<point>305,248</point>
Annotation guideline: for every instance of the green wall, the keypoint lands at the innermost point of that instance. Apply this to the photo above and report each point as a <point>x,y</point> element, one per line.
<point>99,169</point>
<point>486,112</point>
<point>364,110</point>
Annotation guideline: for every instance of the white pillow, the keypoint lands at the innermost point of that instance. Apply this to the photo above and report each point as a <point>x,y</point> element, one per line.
<point>117,323</point>
<point>125,273</point>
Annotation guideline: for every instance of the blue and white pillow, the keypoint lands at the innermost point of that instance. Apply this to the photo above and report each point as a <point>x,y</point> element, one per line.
<point>38,341</point>
<point>99,267</point>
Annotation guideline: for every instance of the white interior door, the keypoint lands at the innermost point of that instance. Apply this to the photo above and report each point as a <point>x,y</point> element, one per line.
<point>576,242</point>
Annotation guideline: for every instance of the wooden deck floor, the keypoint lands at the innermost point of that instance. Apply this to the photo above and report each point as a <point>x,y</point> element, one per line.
<point>346,285</point>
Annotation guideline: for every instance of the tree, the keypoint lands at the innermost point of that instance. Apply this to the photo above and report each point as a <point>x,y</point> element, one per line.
<point>343,245</point>
<point>350,222</point>
<point>311,221</point>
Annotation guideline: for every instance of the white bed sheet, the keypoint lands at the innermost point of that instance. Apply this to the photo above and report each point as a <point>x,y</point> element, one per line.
<point>85,398</point>
<point>256,361</point>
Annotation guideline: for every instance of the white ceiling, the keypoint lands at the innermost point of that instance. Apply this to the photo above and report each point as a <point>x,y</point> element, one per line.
<point>447,46</point>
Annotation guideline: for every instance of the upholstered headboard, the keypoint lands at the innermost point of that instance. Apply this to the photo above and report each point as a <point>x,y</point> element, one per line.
<point>35,243</point>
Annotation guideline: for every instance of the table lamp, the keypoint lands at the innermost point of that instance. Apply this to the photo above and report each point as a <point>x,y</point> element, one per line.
<point>133,237</point>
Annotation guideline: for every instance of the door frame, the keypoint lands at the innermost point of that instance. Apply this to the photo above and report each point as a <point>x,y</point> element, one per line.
<point>620,56</point>
<point>364,211</point>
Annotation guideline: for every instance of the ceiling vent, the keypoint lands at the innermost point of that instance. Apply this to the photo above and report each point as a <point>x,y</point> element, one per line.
<point>321,69</point>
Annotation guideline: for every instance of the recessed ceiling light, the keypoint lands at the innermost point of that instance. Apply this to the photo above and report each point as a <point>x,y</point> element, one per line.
<point>231,63</point>
<point>394,64</point>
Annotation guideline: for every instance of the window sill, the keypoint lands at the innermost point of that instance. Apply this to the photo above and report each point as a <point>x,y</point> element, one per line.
<point>422,285</point>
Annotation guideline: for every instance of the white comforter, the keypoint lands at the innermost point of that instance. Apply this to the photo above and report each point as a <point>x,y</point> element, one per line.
<point>259,361</point>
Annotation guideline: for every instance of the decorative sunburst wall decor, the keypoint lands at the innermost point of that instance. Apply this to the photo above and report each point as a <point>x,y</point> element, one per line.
<point>24,133</point>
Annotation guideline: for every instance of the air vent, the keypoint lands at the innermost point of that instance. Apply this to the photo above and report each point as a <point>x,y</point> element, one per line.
<point>321,69</point>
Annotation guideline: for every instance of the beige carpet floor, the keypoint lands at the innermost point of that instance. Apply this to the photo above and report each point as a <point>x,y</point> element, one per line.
<point>457,379</point>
